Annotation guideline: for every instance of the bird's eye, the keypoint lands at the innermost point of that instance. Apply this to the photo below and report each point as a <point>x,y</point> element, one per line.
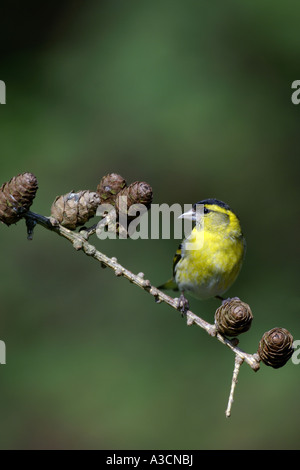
<point>206,211</point>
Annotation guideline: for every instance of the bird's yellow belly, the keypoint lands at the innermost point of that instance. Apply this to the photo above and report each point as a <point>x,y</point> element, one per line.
<point>212,268</point>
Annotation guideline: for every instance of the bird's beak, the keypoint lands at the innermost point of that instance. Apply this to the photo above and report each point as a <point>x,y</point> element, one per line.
<point>190,215</point>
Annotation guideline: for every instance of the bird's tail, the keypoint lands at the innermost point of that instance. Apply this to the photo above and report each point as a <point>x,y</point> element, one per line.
<point>169,285</point>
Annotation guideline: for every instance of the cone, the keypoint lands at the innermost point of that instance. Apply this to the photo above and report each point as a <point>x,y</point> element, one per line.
<point>74,209</point>
<point>233,317</point>
<point>138,192</point>
<point>16,197</point>
<point>109,186</point>
<point>276,347</point>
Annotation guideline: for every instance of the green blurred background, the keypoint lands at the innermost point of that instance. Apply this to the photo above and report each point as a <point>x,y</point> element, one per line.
<point>193,97</point>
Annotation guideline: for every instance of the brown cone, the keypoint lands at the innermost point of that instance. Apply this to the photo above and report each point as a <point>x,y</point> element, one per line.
<point>233,317</point>
<point>109,186</point>
<point>138,192</point>
<point>276,347</point>
<point>16,197</point>
<point>74,209</point>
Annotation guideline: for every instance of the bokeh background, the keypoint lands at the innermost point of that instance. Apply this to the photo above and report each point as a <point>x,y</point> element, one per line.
<point>194,98</point>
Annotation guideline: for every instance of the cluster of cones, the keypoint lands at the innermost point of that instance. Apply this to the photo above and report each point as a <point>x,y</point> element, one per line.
<point>73,209</point>
<point>234,317</point>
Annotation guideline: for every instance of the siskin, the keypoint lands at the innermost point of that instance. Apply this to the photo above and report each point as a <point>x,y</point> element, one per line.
<point>209,260</point>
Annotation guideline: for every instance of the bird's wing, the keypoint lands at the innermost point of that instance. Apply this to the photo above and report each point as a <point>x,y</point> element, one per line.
<point>177,257</point>
<point>171,284</point>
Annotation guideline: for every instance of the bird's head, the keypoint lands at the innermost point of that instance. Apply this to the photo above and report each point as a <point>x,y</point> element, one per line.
<point>214,215</point>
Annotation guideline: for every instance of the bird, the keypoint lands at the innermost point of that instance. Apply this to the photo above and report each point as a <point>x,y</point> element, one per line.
<point>208,261</point>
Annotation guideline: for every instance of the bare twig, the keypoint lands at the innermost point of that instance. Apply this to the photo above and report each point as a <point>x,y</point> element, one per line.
<point>79,242</point>
<point>237,364</point>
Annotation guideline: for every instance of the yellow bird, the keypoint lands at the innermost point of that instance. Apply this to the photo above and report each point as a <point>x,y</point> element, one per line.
<point>209,260</point>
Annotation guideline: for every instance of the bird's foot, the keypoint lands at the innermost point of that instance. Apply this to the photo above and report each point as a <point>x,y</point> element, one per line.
<point>183,304</point>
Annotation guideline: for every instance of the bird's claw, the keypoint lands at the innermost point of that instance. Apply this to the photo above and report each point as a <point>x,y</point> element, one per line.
<point>183,305</point>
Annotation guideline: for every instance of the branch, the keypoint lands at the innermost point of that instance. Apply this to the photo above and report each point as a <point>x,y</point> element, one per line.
<point>237,364</point>
<point>74,209</point>
<point>80,243</point>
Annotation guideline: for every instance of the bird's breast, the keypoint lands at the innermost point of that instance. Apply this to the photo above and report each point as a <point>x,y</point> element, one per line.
<point>210,263</point>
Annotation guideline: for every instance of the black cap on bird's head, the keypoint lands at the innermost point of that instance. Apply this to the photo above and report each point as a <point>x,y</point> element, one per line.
<point>215,202</point>
<point>191,214</point>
